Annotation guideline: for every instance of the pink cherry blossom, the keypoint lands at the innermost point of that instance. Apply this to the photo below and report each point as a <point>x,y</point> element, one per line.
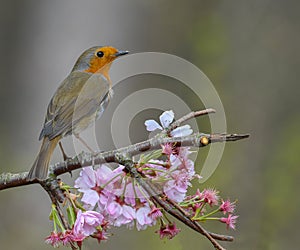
<point>155,213</point>
<point>143,220</point>
<point>86,183</point>
<point>167,149</point>
<point>68,238</point>
<point>176,188</point>
<point>114,209</point>
<point>209,196</point>
<point>227,206</point>
<point>169,231</point>
<point>86,223</point>
<point>126,217</point>
<point>181,161</point>
<point>100,235</point>
<point>91,183</point>
<point>230,221</point>
<point>53,239</point>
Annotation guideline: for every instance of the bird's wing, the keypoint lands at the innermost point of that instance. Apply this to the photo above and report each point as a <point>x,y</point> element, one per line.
<point>78,97</point>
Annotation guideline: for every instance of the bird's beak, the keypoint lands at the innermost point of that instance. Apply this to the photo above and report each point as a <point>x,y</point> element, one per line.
<point>121,53</point>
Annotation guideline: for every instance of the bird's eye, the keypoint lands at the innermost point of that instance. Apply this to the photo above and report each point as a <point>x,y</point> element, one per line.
<point>100,54</point>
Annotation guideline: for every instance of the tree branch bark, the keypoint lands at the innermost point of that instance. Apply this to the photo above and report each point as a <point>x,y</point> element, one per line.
<point>9,180</point>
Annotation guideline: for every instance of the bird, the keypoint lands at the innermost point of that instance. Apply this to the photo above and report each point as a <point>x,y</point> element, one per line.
<point>79,100</point>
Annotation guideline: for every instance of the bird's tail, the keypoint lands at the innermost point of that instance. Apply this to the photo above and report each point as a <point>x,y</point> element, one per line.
<point>39,169</point>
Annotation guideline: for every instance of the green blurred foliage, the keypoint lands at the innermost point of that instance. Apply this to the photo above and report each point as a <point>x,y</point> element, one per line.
<point>281,202</point>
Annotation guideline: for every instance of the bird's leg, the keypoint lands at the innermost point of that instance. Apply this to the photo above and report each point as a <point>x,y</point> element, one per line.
<point>85,144</point>
<point>65,157</point>
<point>88,147</point>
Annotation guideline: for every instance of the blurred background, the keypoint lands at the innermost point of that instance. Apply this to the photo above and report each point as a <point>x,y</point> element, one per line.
<point>248,49</point>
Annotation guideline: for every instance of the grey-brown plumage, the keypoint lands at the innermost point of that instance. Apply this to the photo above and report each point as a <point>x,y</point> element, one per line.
<point>74,111</point>
<point>80,99</point>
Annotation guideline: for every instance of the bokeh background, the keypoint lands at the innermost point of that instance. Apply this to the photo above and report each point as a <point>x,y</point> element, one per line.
<point>250,51</point>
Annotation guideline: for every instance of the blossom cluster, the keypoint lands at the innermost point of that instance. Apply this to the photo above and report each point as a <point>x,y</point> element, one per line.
<point>111,197</point>
<point>88,223</point>
<point>197,206</point>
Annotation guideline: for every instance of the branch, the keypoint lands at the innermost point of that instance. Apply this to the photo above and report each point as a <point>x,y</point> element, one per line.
<point>124,156</point>
<point>189,116</point>
<point>168,205</point>
<point>9,180</point>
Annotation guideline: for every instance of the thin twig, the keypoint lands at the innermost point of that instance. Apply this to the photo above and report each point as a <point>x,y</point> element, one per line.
<point>54,200</point>
<point>189,116</point>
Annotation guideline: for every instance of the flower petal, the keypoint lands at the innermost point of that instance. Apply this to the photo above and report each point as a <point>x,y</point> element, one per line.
<point>152,125</point>
<point>90,197</point>
<point>86,179</point>
<point>182,131</point>
<point>166,118</point>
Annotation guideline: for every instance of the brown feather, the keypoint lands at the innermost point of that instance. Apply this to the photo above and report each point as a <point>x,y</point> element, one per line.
<point>39,169</point>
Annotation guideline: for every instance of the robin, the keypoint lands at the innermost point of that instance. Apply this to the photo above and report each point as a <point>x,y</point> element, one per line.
<point>80,99</point>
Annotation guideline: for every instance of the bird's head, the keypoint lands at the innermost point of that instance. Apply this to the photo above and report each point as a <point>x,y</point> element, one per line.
<point>97,59</point>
